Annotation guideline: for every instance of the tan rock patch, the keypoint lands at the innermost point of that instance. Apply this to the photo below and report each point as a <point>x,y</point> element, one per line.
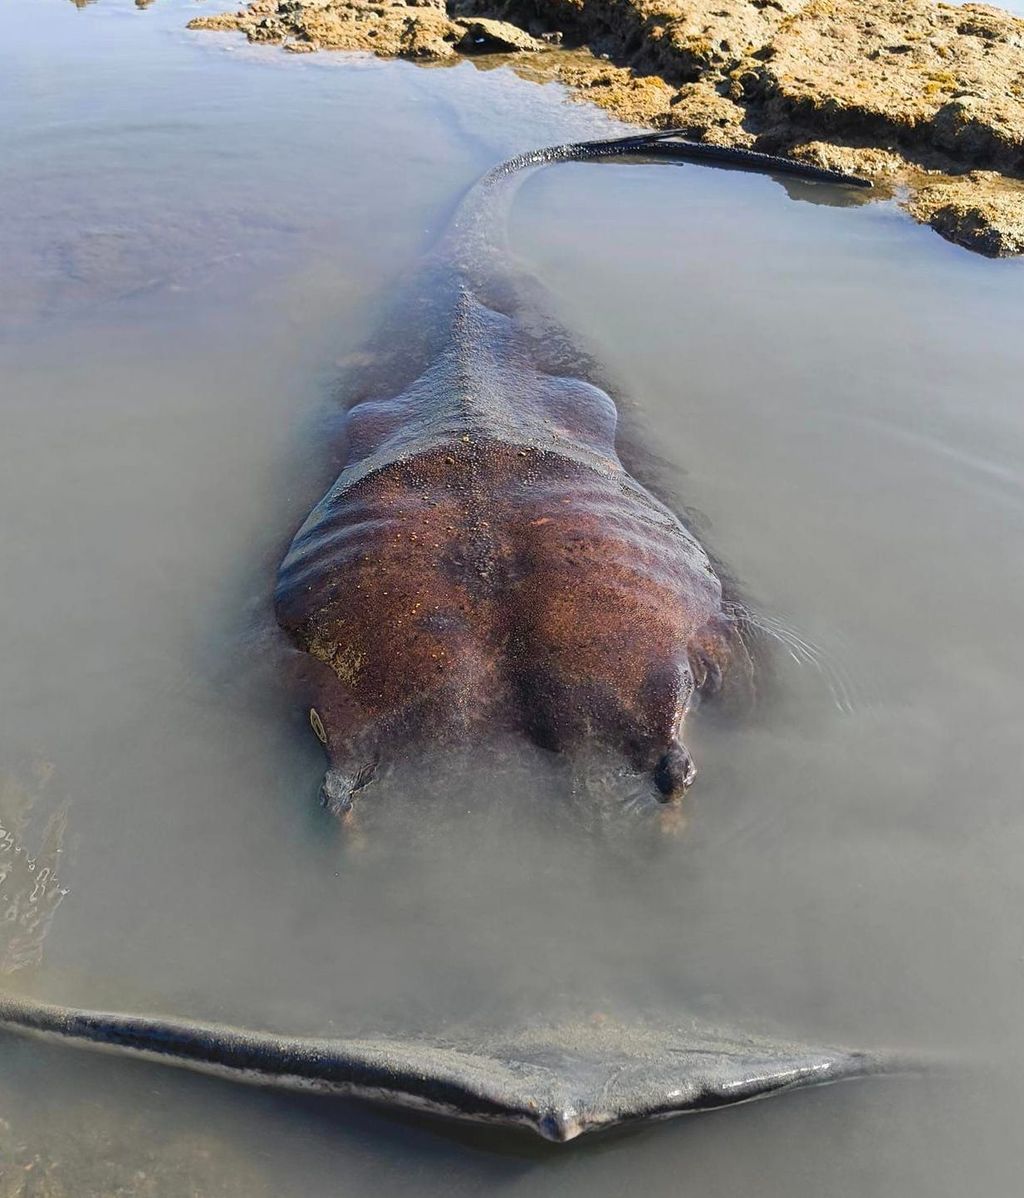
<point>982,211</point>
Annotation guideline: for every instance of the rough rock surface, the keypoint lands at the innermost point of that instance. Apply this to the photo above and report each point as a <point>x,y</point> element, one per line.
<point>388,28</point>
<point>981,210</point>
<point>925,98</point>
<point>399,29</point>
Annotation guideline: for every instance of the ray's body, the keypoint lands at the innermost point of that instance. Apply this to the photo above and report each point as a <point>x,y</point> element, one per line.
<point>484,562</point>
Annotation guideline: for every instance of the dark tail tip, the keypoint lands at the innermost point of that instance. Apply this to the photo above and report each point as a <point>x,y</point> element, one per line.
<point>673,144</point>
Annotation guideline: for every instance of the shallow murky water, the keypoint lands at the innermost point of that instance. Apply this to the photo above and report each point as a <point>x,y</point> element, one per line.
<point>196,236</point>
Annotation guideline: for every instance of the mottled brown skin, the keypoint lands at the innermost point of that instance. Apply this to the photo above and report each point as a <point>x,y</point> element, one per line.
<point>484,564</point>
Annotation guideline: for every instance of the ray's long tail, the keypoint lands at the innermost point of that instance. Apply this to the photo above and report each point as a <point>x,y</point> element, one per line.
<point>671,144</point>
<point>475,244</point>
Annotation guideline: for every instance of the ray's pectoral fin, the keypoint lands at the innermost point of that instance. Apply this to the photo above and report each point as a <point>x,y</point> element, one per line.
<point>559,1080</point>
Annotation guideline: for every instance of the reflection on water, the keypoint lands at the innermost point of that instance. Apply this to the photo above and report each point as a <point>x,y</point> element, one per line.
<point>30,862</point>
<point>63,1141</point>
<point>198,236</point>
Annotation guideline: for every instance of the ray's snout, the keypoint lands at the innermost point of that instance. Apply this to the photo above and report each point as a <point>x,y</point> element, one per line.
<point>674,773</point>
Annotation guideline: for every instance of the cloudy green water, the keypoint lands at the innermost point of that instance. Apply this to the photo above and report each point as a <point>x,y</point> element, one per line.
<point>196,236</point>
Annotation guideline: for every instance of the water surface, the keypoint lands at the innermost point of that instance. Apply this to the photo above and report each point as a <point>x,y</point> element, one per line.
<point>197,236</point>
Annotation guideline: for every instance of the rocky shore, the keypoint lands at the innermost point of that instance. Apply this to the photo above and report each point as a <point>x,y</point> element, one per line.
<point>926,99</point>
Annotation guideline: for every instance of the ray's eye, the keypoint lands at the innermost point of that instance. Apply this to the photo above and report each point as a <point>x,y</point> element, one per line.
<point>317,725</point>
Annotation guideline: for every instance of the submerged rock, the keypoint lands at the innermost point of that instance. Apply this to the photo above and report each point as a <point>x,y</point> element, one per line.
<point>926,98</point>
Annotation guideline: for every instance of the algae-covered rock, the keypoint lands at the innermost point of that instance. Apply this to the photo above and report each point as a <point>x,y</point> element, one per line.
<point>390,29</point>
<point>639,99</point>
<point>982,211</point>
<point>708,115</point>
<point>926,77</point>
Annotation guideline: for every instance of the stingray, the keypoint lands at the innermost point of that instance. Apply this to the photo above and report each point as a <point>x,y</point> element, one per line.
<point>485,562</point>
